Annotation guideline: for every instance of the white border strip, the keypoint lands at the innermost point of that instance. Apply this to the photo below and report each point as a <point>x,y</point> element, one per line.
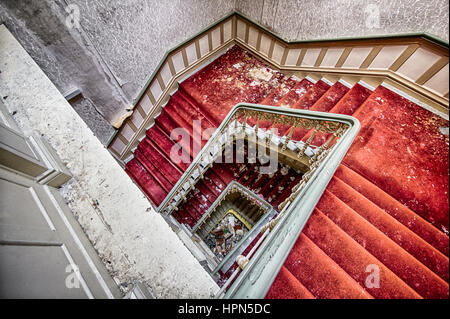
<point>367,86</point>
<point>310,79</point>
<point>345,83</point>
<point>323,79</point>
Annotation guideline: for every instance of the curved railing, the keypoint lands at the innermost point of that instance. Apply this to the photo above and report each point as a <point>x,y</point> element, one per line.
<point>273,128</point>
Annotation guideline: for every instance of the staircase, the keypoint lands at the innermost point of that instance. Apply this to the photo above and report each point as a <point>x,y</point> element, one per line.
<point>386,207</point>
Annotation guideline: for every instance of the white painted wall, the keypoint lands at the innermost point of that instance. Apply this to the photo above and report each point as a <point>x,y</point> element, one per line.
<point>133,241</point>
<point>330,19</point>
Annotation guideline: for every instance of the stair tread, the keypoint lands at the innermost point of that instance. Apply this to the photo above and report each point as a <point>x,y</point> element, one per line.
<point>295,93</point>
<point>354,259</point>
<point>280,91</point>
<point>420,179</point>
<point>307,100</point>
<point>145,181</point>
<point>417,185</point>
<point>396,231</point>
<point>347,105</point>
<point>330,98</point>
<point>286,286</point>
<point>153,154</point>
<point>393,207</point>
<point>320,274</point>
<point>287,192</point>
<point>162,180</point>
<point>326,102</point>
<point>399,261</point>
<point>232,78</point>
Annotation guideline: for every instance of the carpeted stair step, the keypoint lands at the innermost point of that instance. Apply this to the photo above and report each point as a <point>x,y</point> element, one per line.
<point>184,126</point>
<point>166,123</point>
<point>351,101</point>
<point>199,201</point>
<point>249,171</point>
<point>400,234</point>
<point>330,98</point>
<point>415,141</point>
<point>280,91</point>
<point>184,96</point>
<point>232,78</point>
<point>390,205</point>
<point>208,193</point>
<point>152,170</point>
<point>157,158</point>
<point>410,178</point>
<point>224,172</point>
<point>347,105</point>
<point>295,93</point>
<point>271,184</point>
<point>260,182</point>
<point>280,186</point>
<point>219,184</point>
<point>326,102</point>
<point>409,269</point>
<point>287,192</point>
<point>194,215</point>
<point>251,180</point>
<point>323,277</point>
<point>145,181</point>
<point>197,122</point>
<point>311,96</point>
<point>286,286</point>
<point>354,259</point>
<point>159,139</point>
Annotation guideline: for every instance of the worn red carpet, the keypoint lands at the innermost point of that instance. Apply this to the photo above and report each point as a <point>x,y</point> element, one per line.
<point>384,212</point>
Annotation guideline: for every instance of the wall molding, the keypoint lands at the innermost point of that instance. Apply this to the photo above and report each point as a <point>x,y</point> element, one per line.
<point>417,63</point>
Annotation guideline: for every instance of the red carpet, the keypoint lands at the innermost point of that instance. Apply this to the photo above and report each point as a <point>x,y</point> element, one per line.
<point>387,204</point>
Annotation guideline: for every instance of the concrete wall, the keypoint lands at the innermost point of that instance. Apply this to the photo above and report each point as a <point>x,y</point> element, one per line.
<point>323,19</point>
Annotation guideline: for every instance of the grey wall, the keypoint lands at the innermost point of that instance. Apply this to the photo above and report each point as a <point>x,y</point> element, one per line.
<point>322,19</point>
<point>116,48</point>
<point>119,43</point>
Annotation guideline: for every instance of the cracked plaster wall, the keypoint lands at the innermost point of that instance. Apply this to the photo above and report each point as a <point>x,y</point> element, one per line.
<point>113,52</point>
<point>328,19</point>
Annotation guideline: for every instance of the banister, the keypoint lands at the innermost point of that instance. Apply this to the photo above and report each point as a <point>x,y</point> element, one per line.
<point>259,273</point>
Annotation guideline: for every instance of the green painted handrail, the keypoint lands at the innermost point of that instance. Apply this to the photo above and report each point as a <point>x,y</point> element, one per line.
<point>312,115</point>
<point>259,274</point>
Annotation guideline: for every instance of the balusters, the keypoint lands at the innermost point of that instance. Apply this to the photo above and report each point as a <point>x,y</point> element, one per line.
<point>272,131</point>
<point>308,142</point>
<point>337,133</point>
<point>289,137</point>
<point>257,124</point>
<point>234,130</point>
<point>244,123</point>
